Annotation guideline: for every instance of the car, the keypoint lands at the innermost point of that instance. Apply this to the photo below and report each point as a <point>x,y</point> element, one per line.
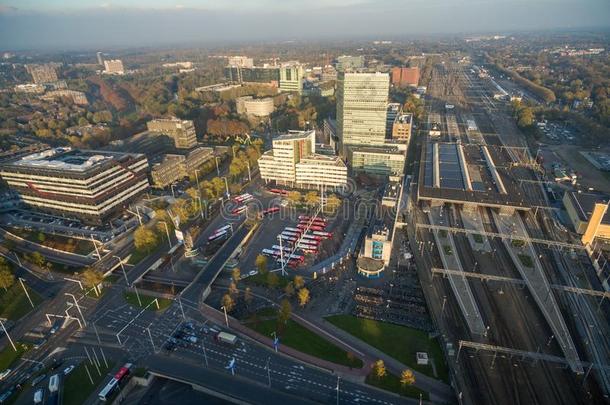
<point>38,379</point>
<point>56,364</point>
<point>5,373</point>
<point>192,339</point>
<point>253,272</point>
<point>68,369</point>
<point>6,395</point>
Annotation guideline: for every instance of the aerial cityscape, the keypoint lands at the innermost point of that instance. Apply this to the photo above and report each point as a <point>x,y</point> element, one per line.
<point>391,204</point>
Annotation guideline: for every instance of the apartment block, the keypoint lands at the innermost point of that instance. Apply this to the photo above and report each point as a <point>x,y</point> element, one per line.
<point>182,131</point>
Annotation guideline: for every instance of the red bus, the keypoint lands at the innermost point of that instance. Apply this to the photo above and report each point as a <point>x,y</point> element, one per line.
<point>308,218</point>
<point>239,210</point>
<point>323,235</point>
<point>311,237</point>
<point>316,228</point>
<point>114,384</point>
<point>310,249</point>
<point>311,242</point>
<point>218,236</point>
<point>290,234</point>
<point>295,230</point>
<point>243,197</point>
<point>288,239</point>
<point>278,191</point>
<point>271,210</point>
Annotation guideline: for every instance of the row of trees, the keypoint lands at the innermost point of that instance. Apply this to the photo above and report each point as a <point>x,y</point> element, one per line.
<point>380,372</point>
<point>312,198</point>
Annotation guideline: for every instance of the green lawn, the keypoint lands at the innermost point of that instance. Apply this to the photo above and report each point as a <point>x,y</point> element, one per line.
<point>397,341</point>
<point>526,260</point>
<point>137,256</point>
<point>8,355</point>
<point>302,339</point>
<point>477,238</point>
<point>392,383</point>
<point>132,299</point>
<point>77,385</point>
<point>14,304</point>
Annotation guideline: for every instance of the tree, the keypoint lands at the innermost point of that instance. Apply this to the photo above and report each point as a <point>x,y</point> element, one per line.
<point>284,312</point>
<point>289,289</point>
<point>144,239</point>
<point>299,282</point>
<point>37,259</point>
<point>272,280</point>
<point>303,296</point>
<point>294,197</point>
<point>233,288</point>
<point>92,279</point>
<point>7,279</point>
<point>332,203</point>
<point>227,302</point>
<point>407,378</point>
<point>312,198</point>
<point>41,237</point>
<point>379,369</point>
<point>261,263</point>
<point>236,275</point>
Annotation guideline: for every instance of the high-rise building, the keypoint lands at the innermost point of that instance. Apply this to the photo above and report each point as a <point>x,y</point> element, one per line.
<point>362,100</point>
<point>253,75</point>
<point>241,61</point>
<point>348,62</point>
<point>291,78</point>
<point>293,161</point>
<point>100,59</point>
<point>114,67</point>
<point>93,186</point>
<point>42,73</point>
<point>405,76</point>
<point>182,131</point>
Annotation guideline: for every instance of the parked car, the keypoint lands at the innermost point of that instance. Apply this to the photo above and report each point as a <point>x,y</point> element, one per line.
<point>39,396</point>
<point>5,373</point>
<point>38,379</point>
<point>68,369</point>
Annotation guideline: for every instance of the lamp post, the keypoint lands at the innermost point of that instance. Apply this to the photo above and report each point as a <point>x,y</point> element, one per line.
<point>173,192</point>
<point>227,186</point>
<point>77,307</point>
<point>122,268</point>
<point>169,242</point>
<point>21,280</point>
<point>226,317</point>
<point>217,169</point>
<point>7,335</point>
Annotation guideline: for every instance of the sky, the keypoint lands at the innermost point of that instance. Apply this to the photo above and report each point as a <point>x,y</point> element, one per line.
<point>88,24</point>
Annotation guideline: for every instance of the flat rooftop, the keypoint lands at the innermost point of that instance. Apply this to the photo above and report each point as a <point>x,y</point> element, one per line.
<point>470,173</point>
<point>293,136</point>
<point>584,203</point>
<point>67,159</point>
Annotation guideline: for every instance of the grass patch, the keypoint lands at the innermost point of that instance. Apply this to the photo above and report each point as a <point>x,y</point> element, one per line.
<point>442,233</point>
<point>8,356</point>
<point>526,260</point>
<point>261,280</point>
<point>132,299</point>
<point>447,249</point>
<point>477,238</point>
<point>392,383</point>
<point>77,385</point>
<point>140,372</point>
<point>137,256</point>
<point>302,339</point>
<point>64,243</point>
<point>397,341</point>
<point>14,304</point>
<point>517,243</point>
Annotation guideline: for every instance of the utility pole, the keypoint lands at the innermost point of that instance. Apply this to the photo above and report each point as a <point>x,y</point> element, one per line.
<point>268,371</point>
<point>205,355</point>
<point>137,294</point>
<point>249,172</point>
<point>227,186</point>
<point>338,389</point>
<point>217,169</point>
<point>151,339</point>
<point>95,246</point>
<point>21,280</point>
<point>181,309</point>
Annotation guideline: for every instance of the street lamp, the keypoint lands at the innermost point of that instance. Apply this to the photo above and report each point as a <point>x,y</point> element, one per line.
<point>21,280</point>
<point>7,335</point>
<point>226,317</point>
<point>122,268</point>
<point>217,169</point>
<point>77,307</point>
<point>173,192</point>
<point>227,186</point>
<point>169,242</point>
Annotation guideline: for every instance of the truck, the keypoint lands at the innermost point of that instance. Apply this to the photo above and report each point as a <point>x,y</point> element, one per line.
<point>225,337</point>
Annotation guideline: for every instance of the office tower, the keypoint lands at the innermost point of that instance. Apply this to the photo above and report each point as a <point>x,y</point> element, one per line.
<point>100,59</point>
<point>93,186</point>
<point>392,113</point>
<point>182,131</point>
<point>401,128</point>
<point>362,100</point>
<point>42,73</point>
<point>291,78</point>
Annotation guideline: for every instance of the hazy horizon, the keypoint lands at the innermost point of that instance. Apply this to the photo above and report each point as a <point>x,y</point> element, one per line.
<point>39,25</point>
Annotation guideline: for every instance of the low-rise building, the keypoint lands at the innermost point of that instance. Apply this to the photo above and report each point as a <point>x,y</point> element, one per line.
<point>316,170</point>
<point>589,215</point>
<point>182,131</point>
<point>77,97</point>
<point>114,67</point>
<point>401,128</point>
<point>391,114</point>
<point>30,88</point>
<point>258,107</point>
<point>42,73</point>
<point>93,186</point>
<point>387,160</point>
<point>196,157</point>
<point>241,61</point>
<point>348,62</point>
<point>168,170</point>
<point>376,252</point>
